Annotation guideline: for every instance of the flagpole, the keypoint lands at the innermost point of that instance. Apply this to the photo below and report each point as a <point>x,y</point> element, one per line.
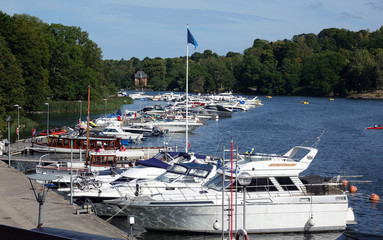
<point>187,88</point>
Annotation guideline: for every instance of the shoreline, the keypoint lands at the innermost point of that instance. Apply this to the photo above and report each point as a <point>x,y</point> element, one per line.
<point>373,95</point>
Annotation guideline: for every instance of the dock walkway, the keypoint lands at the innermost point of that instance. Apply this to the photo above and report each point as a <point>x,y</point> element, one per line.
<point>19,208</point>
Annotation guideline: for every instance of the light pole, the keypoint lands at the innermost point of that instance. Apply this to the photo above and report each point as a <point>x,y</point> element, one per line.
<point>47,122</point>
<point>41,192</point>
<point>106,102</point>
<point>18,124</point>
<point>244,179</point>
<point>80,112</point>
<point>9,119</point>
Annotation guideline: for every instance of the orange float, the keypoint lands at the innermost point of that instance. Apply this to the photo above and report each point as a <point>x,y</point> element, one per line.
<point>353,189</point>
<point>374,197</point>
<point>345,182</point>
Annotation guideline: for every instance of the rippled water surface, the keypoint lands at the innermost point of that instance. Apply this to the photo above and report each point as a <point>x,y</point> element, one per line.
<point>346,148</point>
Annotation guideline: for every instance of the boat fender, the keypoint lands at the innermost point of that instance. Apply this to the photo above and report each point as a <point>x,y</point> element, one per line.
<point>137,190</point>
<point>241,234</point>
<point>216,225</point>
<point>311,222</point>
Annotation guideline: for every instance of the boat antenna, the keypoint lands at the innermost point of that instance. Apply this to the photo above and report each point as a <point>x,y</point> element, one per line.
<point>318,139</point>
<point>316,142</point>
<point>87,130</point>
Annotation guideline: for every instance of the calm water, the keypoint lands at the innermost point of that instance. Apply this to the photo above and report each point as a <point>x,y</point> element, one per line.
<point>346,148</point>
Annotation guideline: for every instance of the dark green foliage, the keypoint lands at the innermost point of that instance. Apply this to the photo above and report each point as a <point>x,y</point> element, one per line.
<point>11,82</point>
<point>41,62</point>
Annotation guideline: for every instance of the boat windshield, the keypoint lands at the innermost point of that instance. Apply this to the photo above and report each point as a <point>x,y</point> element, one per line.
<point>160,156</point>
<point>168,177</point>
<point>198,172</point>
<point>216,183</point>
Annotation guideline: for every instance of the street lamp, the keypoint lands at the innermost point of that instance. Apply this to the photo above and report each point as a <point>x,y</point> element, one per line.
<point>80,112</point>
<point>41,192</point>
<point>9,119</point>
<point>106,102</point>
<point>131,223</point>
<point>47,122</point>
<point>18,124</point>
<point>244,179</point>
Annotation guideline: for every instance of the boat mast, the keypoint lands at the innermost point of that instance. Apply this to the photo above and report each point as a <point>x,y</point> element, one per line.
<point>87,129</point>
<point>187,86</point>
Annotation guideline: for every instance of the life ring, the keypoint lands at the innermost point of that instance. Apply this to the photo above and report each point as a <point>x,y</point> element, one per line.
<point>241,234</point>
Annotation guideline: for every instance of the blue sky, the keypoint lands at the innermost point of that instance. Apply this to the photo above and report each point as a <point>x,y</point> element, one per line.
<point>157,28</point>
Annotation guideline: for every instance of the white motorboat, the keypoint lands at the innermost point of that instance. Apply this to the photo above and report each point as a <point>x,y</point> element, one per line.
<point>103,166</point>
<point>268,195</point>
<point>179,175</point>
<point>140,96</point>
<point>150,169</point>
<point>171,126</point>
<point>122,133</point>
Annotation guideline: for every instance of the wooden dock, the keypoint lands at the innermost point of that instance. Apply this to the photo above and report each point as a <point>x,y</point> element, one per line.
<point>19,208</point>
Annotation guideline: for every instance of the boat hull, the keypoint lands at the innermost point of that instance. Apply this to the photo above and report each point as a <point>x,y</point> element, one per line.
<point>262,216</point>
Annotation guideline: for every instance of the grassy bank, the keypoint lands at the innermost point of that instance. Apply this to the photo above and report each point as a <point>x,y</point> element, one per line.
<point>74,106</point>
<point>27,124</point>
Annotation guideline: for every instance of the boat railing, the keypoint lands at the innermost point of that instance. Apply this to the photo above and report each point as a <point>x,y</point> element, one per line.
<point>268,191</point>
<point>324,189</point>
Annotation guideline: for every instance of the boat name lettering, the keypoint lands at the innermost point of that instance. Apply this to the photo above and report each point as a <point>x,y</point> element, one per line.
<point>282,165</point>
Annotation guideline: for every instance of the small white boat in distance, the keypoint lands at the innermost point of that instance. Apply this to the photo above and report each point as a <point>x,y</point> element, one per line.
<point>171,126</point>
<point>120,133</point>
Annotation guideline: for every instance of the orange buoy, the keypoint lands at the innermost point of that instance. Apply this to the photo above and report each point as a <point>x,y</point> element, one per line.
<point>345,182</point>
<point>352,189</point>
<point>374,197</point>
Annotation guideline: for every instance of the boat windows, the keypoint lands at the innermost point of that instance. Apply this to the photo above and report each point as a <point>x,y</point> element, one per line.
<point>112,130</point>
<point>261,185</point>
<point>199,172</point>
<point>103,160</point>
<point>286,183</point>
<point>168,177</point>
<point>178,169</point>
<point>216,183</point>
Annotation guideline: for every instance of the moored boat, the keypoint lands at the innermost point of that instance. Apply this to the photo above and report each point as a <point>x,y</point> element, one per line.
<point>62,144</point>
<point>277,199</point>
<point>183,173</point>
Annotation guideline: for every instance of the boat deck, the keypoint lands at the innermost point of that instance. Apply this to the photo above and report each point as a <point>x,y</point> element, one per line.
<point>19,208</point>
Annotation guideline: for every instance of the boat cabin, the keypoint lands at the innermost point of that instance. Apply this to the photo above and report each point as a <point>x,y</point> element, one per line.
<point>81,142</point>
<point>103,159</point>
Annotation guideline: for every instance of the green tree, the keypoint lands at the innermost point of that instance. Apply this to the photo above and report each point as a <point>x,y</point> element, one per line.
<point>362,71</point>
<point>175,73</point>
<point>31,50</point>
<point>155,68</point>
<point>379,69</point>
<point>11,84</point>
<point>322,74</point>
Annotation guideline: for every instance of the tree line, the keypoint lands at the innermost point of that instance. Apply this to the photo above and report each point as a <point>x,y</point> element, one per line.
<point>336,62</point>
<point>41,62</point>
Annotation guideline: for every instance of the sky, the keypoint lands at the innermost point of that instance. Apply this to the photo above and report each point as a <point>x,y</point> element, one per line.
<point>157,28</point>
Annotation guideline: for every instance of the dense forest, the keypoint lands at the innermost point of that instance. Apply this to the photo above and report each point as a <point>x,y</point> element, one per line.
<point>41,62</point>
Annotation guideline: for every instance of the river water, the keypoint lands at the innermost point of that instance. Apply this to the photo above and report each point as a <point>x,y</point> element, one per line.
<point>346,148</point>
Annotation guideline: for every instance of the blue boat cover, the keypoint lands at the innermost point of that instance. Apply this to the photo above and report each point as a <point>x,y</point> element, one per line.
<point>200,156</point>
<point>153,162</point>
<point>173,154</point>
<point>195,165</point>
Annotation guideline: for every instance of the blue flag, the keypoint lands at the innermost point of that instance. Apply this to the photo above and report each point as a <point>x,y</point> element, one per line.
<point>192,40</point>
